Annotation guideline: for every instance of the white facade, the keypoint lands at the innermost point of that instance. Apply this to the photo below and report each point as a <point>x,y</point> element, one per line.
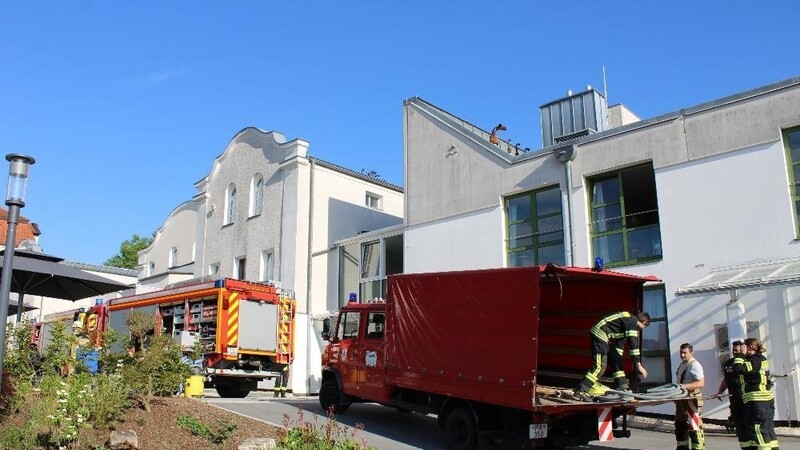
<point>723,198</point>
<point>170,256</point>
<point>268,211</point>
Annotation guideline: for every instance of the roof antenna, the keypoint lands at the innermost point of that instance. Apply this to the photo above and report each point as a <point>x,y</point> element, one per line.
<point>605,86</point>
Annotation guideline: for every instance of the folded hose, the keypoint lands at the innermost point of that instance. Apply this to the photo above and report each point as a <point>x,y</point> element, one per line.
<point>664,392</point>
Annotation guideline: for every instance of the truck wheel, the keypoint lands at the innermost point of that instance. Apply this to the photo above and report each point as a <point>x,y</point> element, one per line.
<point>231,391</point>
<point>329,397</point>
<point>461,429</point>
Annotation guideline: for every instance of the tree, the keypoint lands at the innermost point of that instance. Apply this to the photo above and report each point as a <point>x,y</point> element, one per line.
<point>128,252</point>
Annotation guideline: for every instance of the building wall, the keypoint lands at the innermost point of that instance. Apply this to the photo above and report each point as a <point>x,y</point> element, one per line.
<point>453,243</point>
<point>178,230</point>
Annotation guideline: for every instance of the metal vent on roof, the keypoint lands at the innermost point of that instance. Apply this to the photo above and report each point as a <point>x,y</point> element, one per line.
<point>573,116</point>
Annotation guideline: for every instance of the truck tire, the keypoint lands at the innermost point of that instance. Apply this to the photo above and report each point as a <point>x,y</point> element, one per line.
<point>329,397</point>
<point>231,391</point>
<point>461,430</point>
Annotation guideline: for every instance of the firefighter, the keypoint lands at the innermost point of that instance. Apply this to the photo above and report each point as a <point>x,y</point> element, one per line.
<point>757,396</point>
<point>612,331</point>
<point>281,382</point>
<point>733,384</point>
<point>690,376</point>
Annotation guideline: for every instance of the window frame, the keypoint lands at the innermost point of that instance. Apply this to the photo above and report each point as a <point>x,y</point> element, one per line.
<point>794,183</point>
<point>230,204</point>
<point>267,265</point>
<point>371,198</point>
<point>663,353</point>
<point>173,256</point>
<point>256,195</point>
<point>535,234</point>
<point>239,266</point>
<point>624,230</point>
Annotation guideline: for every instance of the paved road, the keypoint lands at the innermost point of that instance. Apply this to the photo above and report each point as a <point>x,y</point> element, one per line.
<point>388,429</point>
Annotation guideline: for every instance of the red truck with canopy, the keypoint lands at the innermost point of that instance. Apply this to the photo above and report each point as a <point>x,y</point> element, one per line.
<point>488,351</point>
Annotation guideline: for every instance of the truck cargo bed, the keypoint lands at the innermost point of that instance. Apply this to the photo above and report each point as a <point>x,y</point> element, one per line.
<point>484,335</point>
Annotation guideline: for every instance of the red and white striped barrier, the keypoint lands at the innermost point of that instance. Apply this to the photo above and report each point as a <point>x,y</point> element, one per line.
<point>694,416</point>
<point>605,425</point>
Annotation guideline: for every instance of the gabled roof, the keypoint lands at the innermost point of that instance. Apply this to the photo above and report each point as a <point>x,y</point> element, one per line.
<point>353,173</point>
<point>102,269</point>
<point>503,150</point>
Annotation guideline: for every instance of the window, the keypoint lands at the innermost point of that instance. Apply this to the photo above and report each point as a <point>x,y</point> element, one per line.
<point>374,201</point>
<point>266,272</point>
<point>655,339</point>
<point>348,325</point>
<point>151,268</point>
<point>173,256</point>
<point>792,141</point>
<point>375,322</point>
<point>372,283</point>
<point>535,228</point>
<point>257,195</point>
<point>230,204</point>
<point>348,271</point>
<point>625,225</point>
<point>363,267</point>
<point>239,266</point>
<point>213,269</point>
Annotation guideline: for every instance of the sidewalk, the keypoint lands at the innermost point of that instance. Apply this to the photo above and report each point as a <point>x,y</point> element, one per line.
<point>667,425</point>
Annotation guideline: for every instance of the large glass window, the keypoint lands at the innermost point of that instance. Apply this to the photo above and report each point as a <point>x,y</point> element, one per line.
<point>348,272</point>
<point>655,338</point>
<point>625,224</point>
<point>372,279</point>
<point>535,228</point>
<point>791,139</point>
<point>363,267</point>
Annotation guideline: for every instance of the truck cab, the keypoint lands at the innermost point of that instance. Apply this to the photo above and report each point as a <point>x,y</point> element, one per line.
<point>354,359</point>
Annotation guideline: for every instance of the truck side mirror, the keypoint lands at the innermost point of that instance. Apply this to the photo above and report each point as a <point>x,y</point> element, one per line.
<point>326,326</point>
<point>326,329</point>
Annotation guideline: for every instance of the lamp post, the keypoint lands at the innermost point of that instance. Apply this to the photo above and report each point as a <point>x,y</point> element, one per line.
<point>15,200</point>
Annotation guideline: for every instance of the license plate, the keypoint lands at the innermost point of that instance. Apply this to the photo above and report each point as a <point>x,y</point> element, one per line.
<point>537,430</point>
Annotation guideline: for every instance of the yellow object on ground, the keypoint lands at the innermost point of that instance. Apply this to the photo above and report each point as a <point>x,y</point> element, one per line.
<point>194,386</point>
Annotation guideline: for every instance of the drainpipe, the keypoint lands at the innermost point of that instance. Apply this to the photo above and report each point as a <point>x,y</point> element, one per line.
<point>309,328</point>
<point>567,155</point>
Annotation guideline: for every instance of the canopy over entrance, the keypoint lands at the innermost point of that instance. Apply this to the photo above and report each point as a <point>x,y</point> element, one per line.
<point>746,276</point>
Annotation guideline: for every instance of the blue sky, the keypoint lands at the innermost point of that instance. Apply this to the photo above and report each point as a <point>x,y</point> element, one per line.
<point>125,105</point>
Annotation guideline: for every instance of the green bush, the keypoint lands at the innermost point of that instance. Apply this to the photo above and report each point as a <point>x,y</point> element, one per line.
<point>57,354</point>
<point>219,435</point>
<point>157,370</point>
<point>22,358</point>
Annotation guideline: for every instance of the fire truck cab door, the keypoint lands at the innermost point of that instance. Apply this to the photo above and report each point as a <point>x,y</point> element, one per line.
<point>371,360</point>
<point>347,340</point>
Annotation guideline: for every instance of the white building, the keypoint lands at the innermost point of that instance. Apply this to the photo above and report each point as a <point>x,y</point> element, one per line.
<point>270,211</point>
<point>702,196</point>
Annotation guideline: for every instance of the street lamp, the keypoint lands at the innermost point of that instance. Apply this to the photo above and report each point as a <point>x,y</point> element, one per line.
<point>15,199</point>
